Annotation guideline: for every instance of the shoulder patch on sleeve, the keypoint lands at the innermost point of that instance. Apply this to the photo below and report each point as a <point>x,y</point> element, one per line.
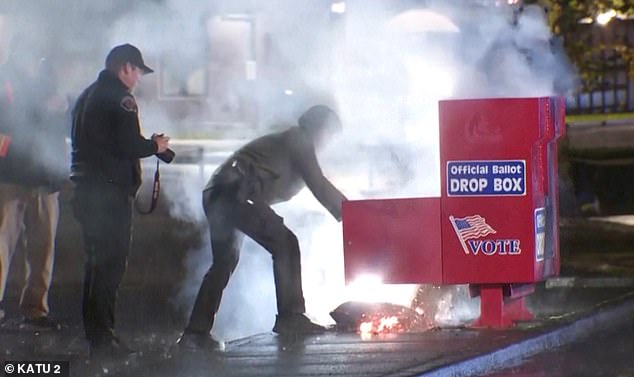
<point>129,104</point>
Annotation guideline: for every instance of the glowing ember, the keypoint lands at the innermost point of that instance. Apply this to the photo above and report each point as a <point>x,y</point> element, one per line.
<point>381,325</point>
<point>378,318</point>
<point>366,327</point>
<point>387,323</point>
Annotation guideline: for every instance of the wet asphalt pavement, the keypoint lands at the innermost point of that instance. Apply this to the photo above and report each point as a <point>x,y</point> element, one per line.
<point>605,353</point>
<point>442,352</point>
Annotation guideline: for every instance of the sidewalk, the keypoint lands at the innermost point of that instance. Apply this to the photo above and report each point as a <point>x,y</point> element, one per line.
<point>613,134</point>
<point>562,315</point>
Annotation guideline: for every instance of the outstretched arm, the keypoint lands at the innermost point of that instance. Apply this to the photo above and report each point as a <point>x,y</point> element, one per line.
<point>306,163</point>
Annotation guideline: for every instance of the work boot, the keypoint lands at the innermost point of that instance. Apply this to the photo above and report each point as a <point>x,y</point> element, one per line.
<point>296,324</point>
<point>111,349</point>
<point>198,341</point>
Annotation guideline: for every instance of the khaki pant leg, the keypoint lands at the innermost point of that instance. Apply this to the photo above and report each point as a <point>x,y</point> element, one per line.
<point>12,209</point>
<point>42,215</point>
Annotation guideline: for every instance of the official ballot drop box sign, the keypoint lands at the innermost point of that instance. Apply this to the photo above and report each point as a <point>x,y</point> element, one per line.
<point>496,219</point>
<point>499,189</point>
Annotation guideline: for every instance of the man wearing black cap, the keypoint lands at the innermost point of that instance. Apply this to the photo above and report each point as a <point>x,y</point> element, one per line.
<point>106,147</point>
<point>237,200</point>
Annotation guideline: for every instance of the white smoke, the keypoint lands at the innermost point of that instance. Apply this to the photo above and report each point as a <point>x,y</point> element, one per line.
<point>386,80</point>
<point>384,75</point>
<point>388,84</point>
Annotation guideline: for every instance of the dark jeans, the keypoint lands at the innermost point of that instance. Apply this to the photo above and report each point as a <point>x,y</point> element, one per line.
<point>104,212</point>
<point>229,219</point>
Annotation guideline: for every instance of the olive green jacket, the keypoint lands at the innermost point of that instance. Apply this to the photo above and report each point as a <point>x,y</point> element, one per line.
<point>274,168</point>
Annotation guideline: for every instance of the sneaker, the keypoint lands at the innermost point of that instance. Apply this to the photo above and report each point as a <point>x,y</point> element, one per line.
<point>112,349</point>
<point>40,323</point>
<point>198,341</point>
<point>296,324</point>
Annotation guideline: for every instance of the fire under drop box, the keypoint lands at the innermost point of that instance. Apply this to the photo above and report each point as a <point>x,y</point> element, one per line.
<point>494,226</point>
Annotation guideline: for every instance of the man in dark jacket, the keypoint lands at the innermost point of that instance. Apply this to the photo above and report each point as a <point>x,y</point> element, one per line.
<point>237,200</point>
<point>106,147</point>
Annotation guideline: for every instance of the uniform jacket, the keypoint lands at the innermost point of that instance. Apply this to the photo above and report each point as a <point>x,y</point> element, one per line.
<point>106,137</point>
<point>275,167</point>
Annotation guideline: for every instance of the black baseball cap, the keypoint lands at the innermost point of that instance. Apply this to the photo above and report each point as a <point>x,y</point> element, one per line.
<point>126,53</point>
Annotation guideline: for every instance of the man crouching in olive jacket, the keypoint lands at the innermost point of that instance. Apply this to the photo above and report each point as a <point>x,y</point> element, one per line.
<point>268,170</point>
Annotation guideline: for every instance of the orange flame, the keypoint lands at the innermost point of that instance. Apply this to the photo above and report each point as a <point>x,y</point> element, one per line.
<point>380,325</point>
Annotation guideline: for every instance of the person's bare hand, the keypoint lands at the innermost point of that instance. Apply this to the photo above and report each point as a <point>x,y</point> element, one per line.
<point>162,142</point>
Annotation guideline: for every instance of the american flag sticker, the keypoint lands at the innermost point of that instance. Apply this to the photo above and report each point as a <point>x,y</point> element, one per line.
<point>470,227</point>
<point>5,140</point>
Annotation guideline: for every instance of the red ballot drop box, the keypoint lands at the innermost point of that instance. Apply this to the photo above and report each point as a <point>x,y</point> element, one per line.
<point>494,226</point>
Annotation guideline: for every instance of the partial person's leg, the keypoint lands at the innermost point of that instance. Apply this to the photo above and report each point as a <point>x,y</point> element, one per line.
<point>81,205</point>
<point>11,224</point>
<point>111,249</point>
<point>225,250</point>
<point>265,227</point>
<point>106,217</point>
<point>42,214</point>
<point>88,302</point>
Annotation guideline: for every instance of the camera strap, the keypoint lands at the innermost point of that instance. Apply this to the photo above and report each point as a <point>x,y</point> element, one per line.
<point>156,188</point>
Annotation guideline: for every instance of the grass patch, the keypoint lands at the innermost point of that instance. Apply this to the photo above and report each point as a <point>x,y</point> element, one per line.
<point>599,118</point>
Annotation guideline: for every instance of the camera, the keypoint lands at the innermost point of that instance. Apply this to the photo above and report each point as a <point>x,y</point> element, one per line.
<point>166,156</point>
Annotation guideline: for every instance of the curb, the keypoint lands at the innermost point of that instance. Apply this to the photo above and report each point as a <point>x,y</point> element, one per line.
<point>602,318</point>
<point>574,282</point>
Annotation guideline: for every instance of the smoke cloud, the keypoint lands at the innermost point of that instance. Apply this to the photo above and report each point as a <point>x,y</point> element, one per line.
<point>384,70</point>
<point>395,71</point>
